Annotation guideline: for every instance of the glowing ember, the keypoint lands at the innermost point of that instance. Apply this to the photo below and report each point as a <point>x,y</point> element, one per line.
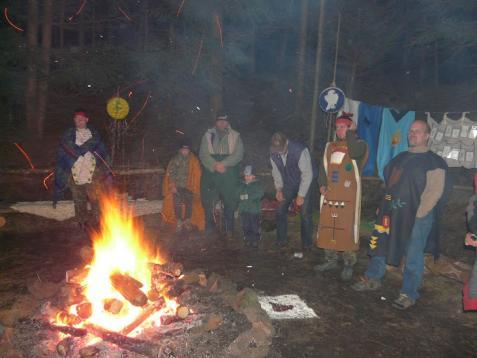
<point>119,250</point>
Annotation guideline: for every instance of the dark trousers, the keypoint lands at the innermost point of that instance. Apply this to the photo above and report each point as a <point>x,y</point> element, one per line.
<point>183,200</point>
<point>306,214</point>
<point>250,226</point>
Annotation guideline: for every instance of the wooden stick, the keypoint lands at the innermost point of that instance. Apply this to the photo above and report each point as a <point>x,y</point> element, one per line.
<point>135,345</point>
<point>145,314</point>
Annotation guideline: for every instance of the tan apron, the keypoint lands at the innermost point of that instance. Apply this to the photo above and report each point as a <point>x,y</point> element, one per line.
<point>340,207</point>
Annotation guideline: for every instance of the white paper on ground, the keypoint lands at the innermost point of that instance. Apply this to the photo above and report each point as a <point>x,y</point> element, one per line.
<point>300,309</point>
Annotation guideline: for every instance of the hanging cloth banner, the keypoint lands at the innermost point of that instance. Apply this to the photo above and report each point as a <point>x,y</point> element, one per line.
<point>393,136</point>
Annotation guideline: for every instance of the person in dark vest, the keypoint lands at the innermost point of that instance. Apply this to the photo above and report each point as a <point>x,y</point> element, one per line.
<point>294,176</point>
<point>340,188</point>
<point>416,189</point>
<point>221,152</point>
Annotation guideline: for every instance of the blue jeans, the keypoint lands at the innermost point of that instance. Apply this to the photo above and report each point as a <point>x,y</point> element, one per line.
<point>306,214</point>
<point>414,265</point>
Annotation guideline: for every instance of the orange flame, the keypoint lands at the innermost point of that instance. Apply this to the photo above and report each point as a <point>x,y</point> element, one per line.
<point>120,247</point>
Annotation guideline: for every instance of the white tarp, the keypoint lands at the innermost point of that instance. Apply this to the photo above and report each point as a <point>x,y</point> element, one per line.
<point>65,209</point>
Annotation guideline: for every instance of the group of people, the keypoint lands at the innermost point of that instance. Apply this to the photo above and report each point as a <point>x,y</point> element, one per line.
<point>416,189</point>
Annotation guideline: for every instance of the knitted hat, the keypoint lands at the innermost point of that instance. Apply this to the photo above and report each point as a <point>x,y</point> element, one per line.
<point>278,142</point>
<point>222,116</point>
<point>344,118</point>
<point>247,170</point>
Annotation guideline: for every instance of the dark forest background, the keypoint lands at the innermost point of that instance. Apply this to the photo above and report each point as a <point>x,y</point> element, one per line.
<point>257,61</point>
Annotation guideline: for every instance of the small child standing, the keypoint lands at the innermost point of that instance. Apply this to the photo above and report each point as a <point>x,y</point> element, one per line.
<point>250,195</point>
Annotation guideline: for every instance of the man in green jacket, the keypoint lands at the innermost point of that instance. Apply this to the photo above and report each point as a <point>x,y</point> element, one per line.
<point>221,152</point>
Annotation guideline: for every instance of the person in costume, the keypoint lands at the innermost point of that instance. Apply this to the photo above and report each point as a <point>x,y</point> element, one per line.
<point>340,206</point>
<point>221,152</point>
<point>294,176</point>
<point>181,190</point>
<point>250,195</point>
<point>83,166</point>
<point>469,292</point>
<point>416,189</point>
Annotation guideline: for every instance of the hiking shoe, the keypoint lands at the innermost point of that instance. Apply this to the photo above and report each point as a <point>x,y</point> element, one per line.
<point>403,302</point>
<point>327,266</point>
<point>367,284</point>
<point>187,225</point>
<point>347,273</point>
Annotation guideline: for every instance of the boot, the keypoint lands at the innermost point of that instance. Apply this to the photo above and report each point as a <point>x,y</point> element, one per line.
<point>327,266</point>
<point>347,273</point>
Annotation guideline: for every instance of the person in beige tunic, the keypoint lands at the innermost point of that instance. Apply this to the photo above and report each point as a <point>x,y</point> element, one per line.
<point>340,187</point>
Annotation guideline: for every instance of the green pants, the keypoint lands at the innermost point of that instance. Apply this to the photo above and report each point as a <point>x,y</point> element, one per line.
<point>215,186</point>
<point>349,257</point>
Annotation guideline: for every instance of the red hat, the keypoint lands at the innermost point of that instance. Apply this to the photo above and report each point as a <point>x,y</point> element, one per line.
<point>344,118</point>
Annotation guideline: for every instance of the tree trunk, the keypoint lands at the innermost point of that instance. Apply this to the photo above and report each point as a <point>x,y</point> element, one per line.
<point>44,66</point>
<point>284,45</point>
<point>62,23</point>
<point>316,87</point>
<point>93,23</point>
<point>31,85</point>
<point>216,65</point>
<point>81,31</point>
<point>146,25</point>
<point>301,60</point>
<point>436,64</point>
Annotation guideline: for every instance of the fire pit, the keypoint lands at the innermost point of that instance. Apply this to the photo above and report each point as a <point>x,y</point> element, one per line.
<point>128,301</point>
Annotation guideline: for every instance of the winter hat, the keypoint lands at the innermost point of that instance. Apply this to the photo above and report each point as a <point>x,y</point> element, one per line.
<point>222,116</point>
<point>278,142</point>
<point>247,170</point>
<point>344,118</point>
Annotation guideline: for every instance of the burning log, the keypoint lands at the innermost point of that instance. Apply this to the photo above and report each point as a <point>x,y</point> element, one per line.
<point>129,288</point>
<point>63,348</point>
<point>113,305</point>
<point>88,352</point>
<point>172,269</point>
<point>77,275</point>
<point>76,332</point>
<point>145,314</point>
<point>135,345</point>
<point>169,319</point>
<point>71,294</point>
<point>84,310</point>
<point>182,312</point>
<point>67,318</point>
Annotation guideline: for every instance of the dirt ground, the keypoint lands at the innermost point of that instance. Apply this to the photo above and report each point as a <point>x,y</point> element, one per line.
<point>350,324</point>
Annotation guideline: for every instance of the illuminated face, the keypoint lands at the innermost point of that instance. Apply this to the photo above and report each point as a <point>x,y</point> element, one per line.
<point>80,121</point>
<point>249,178</point>
<point>418,136</point>
<point>184,151</point>
<point>221,124</point>
<point>341,130</point>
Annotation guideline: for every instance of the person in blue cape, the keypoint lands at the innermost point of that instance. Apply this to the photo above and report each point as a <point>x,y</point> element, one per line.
<point>82,165</point>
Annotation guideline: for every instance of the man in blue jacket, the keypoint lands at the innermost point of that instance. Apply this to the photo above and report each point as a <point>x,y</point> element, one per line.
<point>294,175</point>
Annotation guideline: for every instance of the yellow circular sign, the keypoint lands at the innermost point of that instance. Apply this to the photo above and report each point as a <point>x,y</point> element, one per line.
<point>117,108</point>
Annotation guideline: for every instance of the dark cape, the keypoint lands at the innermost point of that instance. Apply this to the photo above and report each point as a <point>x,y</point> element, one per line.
<point>69,152</point>
<point>405,180</point>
